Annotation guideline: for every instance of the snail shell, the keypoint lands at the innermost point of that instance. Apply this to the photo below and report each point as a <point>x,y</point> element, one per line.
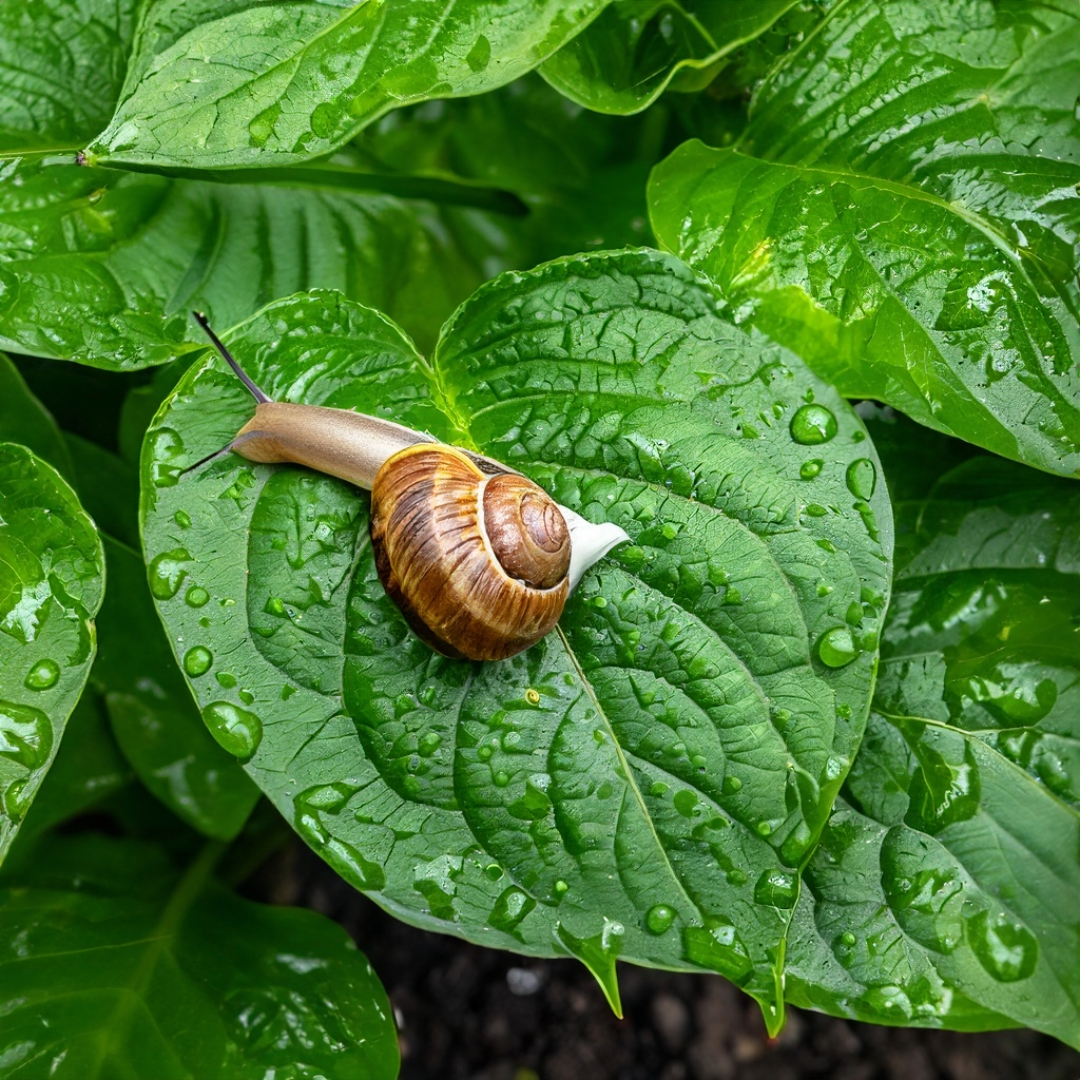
<point>486,559</point>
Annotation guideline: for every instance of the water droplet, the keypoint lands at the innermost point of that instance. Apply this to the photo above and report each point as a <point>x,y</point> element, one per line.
<point>510,910</point>
<point>429,743</point>
<point>560,888</point>
<point>658,919</point>
<point>812,425</point>
<point>862,478</point>
<point>731,785</point>
<point>183,519</point>
<point>777,888</point>
<point>532,697</point>
<point>196,596</point>
<point>717,948</point>
<point>811,468</point>
<point>493,871</point>
<point>167,573</point>
<point>198,661</point>
<point>43,675</point>
<point>848,938</point>
<point>26,735</point>
<point>236,730</point>
<point>889,1001</point>
<point>837,647</point>
<point>763,828</point>
<point>1006,949</point>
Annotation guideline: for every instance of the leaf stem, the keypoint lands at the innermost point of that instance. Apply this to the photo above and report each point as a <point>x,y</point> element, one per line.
<point>342,178</point>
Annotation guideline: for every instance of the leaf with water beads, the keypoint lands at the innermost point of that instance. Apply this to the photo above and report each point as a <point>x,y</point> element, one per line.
<point>51,580</point>
<point>646,782</point>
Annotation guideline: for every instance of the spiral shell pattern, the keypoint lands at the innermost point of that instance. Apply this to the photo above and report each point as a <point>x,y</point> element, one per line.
<point>478,564</point>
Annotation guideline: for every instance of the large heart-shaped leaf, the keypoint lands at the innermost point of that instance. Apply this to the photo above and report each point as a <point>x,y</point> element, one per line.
<point>646,781</point>
<point>113,964</point>
<point>908,224</point>
<point>275,82</point>
<point>636,49</point>
<point>944,891</point>
<point>51,579</point>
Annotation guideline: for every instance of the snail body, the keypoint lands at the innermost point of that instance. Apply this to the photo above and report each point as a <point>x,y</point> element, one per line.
<point>479,559</point>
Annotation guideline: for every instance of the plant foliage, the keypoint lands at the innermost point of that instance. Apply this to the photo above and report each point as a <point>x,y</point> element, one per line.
<point>760,742</point>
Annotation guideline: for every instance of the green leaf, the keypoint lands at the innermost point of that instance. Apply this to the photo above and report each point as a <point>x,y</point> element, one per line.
<point>104,267</point>
<point>908,225</point>
<point>274,83</point>
<point>635,50</point>
<point>176,977</point>
<point>61,69</point>
<point>944,889</point>
<point>24,420</point>
<point>51,578</point>
<point>645,782</point>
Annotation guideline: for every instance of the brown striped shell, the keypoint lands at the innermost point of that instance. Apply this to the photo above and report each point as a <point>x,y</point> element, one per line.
<point>478,564</point>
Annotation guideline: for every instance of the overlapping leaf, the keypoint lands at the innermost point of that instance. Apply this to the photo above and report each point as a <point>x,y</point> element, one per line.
<point>51,580</point>
<point>635,50</point>
<point>647,781</point>
<point>902,211</point>
<point>112,964</point>
<point>945,888</point>
<point>244,83</point>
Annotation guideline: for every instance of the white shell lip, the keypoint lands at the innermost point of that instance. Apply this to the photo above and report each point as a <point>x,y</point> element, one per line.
<point>588,543</point>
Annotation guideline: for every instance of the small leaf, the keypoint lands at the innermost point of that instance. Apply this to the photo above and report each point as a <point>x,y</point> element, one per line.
<point>282,82</point>
<point>51,578</point>
<point>662,763</point>
<point>944,889</point>
<point>636,49</point>
<point>176,976</point>
<point>908,226</point>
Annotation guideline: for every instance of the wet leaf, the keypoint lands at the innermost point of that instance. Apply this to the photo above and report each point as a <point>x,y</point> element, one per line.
<point>647,781</point>
<point>176,976</point>
<point>215,85</point>
<point>907,224</point>
<point>634,51</point>
<point>24,420</point>
<point>944,889</point>
<point>51,579</point>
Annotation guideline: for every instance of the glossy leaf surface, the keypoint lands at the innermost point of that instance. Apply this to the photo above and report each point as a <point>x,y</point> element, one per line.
<point>176,977</point>
<point>152,715</point>
<point>634,51</point>
<point>945,888</point>
<point>902,212</point>
<point>51,581</point>
<point>247,83</point>
<point>104,267</point>
<point>646,781</point>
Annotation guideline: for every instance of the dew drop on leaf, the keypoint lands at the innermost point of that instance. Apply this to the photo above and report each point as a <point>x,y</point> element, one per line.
<point>196,596</point>
<point>236,730</point>
<point>197,661</point>
<point>1006,949</point>
<point>43,675</point>
<point>658,919</point>
<point>861,478</point>
<point>25,735</point>
<point>167,573</point>
<point>809,469</point>
<point>776,888</point>
<point>837,647</point>
<point>813,425</point>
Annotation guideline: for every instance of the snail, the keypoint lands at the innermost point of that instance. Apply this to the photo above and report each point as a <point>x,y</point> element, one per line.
<point>479,559</point>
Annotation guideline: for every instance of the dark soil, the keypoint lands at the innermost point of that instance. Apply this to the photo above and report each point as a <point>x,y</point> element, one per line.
<point>468,1013</point>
